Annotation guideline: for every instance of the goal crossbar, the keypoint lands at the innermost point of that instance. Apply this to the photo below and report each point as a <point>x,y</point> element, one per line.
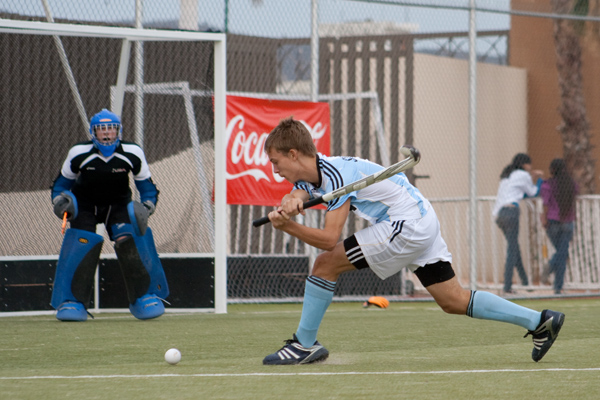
<point>107,32</point>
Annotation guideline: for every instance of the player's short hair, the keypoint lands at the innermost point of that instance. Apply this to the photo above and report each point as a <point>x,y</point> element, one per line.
<point>291,134</point>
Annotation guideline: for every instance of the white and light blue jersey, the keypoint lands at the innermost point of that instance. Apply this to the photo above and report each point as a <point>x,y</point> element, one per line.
<point>394,199</point>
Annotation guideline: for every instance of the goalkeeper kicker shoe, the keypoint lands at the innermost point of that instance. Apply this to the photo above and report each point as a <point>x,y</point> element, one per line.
<point>147,307</point>
<point>546,333</point>
<point>294,353</point>
<point>71,311</point>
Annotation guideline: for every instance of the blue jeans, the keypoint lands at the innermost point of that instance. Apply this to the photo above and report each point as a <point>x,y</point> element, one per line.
<point>560,234</point>
<point>508,221</point>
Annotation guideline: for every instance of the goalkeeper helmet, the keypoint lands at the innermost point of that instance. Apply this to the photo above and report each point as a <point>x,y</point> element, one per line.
<point>101,126</point>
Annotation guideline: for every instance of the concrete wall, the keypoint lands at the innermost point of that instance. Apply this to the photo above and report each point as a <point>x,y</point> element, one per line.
<point>442,123</point>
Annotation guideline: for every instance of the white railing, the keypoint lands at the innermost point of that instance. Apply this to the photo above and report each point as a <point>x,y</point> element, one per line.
<point>583,267</point>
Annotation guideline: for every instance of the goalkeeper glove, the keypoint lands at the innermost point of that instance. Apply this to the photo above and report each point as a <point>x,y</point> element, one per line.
<point>377,301</point>
<point>150,206</point>
<point>63,203</point>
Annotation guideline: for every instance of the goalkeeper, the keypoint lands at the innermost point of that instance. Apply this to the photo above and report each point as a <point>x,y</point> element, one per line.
<point>93,188</point>
<point>404,232</point>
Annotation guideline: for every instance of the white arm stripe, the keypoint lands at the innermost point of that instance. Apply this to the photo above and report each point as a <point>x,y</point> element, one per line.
<point>76,150</point>
<point>139,153</point>
<point>122,157</point>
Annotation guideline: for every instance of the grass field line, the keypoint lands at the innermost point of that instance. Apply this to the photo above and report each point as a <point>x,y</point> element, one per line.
<point>126,315</point>
<point>251,374</point>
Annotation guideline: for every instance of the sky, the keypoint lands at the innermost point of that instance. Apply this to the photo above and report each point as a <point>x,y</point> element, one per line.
<point>280,18</point>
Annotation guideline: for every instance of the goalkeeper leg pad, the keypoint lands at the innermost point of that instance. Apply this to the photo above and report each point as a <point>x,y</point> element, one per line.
<point>74,278</point>
<point>143,274</point>
<point>138,216</point>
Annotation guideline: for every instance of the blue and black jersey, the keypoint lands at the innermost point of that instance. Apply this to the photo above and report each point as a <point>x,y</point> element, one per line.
<point>101,181</point>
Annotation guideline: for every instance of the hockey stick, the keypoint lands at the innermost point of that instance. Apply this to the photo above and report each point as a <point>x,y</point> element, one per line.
<point>64,223</point>
<point>413,156</point>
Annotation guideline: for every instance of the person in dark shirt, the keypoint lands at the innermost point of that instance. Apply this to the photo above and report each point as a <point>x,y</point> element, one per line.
<point>93,188</point>
<point>559,194</point>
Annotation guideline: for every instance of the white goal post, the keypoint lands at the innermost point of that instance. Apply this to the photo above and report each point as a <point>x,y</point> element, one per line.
<point>146,35</point>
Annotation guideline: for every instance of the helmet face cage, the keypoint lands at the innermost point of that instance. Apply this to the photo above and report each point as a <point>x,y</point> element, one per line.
<point>103,127</point>
<point>104,121</point>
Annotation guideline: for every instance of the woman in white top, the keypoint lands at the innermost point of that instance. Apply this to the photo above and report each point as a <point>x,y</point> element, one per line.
<point>516,183</point>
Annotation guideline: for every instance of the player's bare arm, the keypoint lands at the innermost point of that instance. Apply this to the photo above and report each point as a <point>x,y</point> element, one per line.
<point>325,238</point>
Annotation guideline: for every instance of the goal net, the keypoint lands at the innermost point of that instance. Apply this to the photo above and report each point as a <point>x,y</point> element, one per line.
<point>59,76</point>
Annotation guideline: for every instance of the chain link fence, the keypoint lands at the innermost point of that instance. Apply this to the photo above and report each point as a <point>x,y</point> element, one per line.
<point>399,65</point>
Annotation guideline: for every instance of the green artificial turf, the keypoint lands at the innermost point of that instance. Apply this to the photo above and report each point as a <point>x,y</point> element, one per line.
<point>408,351</point>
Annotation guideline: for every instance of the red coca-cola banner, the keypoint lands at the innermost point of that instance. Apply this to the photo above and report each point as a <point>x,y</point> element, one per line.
<point>250,176</point>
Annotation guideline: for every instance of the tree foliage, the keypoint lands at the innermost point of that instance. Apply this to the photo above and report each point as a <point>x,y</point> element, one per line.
<point>574,127</point>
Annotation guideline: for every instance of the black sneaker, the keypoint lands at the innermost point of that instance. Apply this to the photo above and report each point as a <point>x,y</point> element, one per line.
<point>294,353</point>
<point>546,333</point>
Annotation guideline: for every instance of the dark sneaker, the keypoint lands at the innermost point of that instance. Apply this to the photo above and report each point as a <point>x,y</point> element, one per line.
<point>546,333</point>
<point>294,353</point>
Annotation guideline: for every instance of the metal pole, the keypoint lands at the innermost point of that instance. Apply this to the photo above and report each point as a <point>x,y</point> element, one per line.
<point>312,217</point>
<point>225,29</point>
<point>472,146</point>
<point>117,106</point>
<point>67,68</point>
<point>221,227</point>
<point>314,51</point>
<point>205,189</point>
<point>139,79</point>
<point>188,15</point>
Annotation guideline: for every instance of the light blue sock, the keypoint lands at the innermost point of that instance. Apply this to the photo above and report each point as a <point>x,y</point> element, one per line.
<point>318,294</point>
<point>485,305</point>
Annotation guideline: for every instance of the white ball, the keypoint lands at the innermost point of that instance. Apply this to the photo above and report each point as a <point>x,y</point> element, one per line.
<point>173,356</point>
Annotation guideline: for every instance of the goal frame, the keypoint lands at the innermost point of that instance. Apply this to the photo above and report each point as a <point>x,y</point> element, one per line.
<point>146,35</point>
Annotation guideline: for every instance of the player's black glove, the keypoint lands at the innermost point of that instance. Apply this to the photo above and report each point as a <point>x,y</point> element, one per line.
<point>64,203</point>
<point>150,206</point>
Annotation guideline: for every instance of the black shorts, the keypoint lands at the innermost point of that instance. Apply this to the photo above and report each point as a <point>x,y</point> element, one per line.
<point>438,272</point>
<point>88,216</point>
